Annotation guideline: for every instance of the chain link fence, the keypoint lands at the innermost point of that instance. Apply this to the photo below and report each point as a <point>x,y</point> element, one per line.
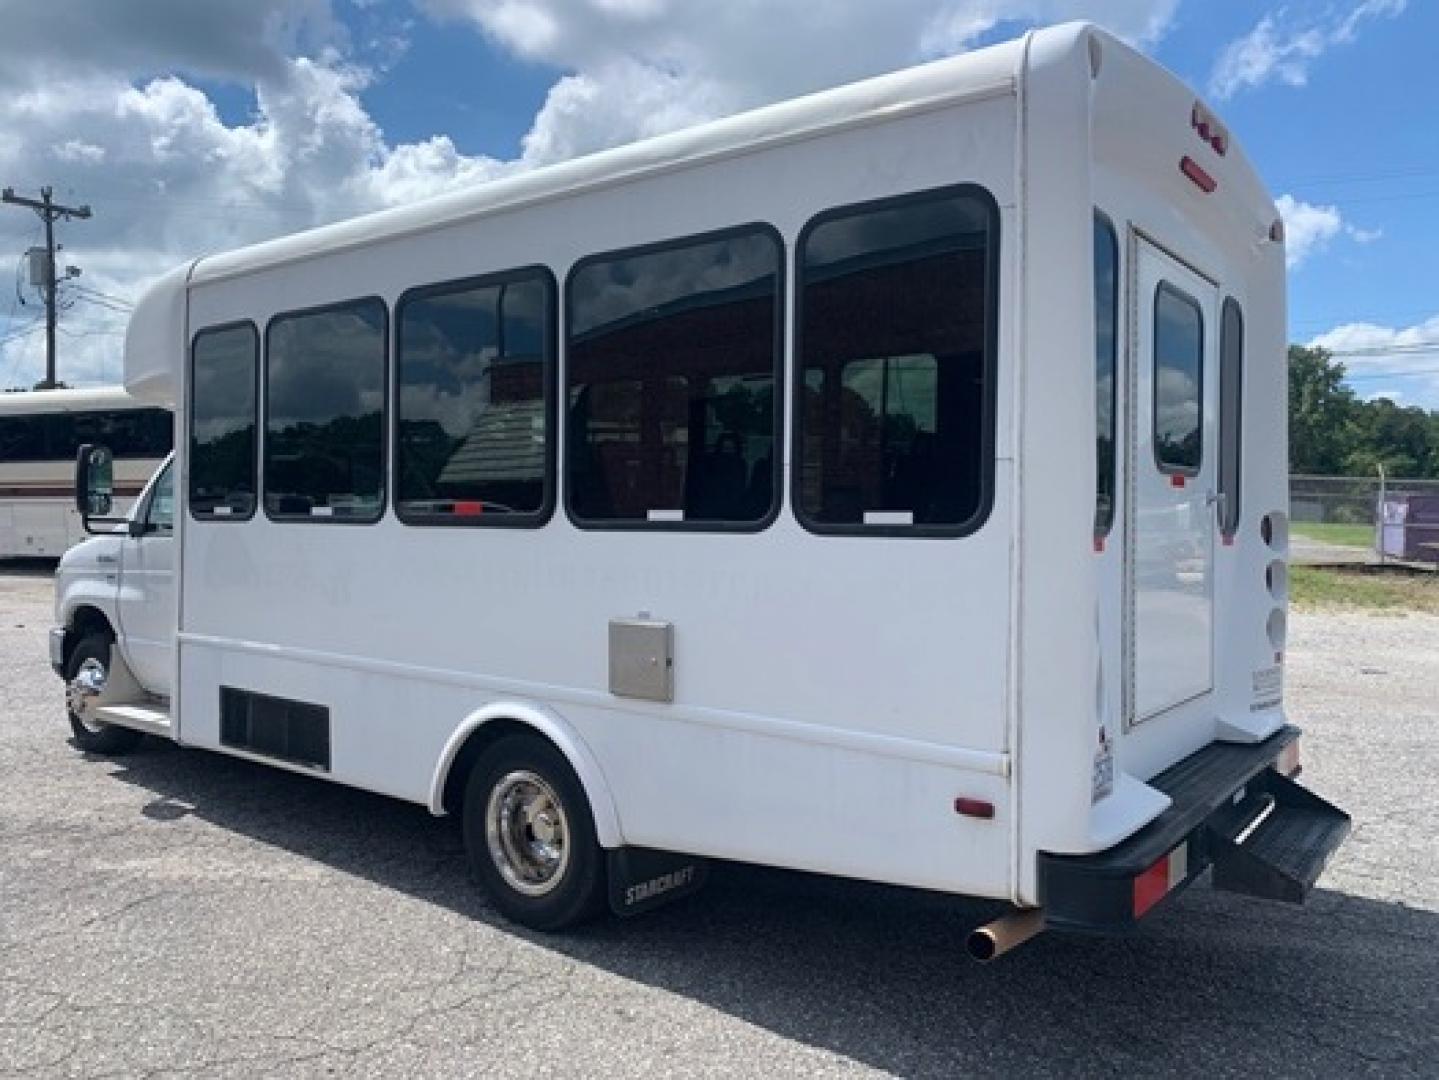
<point>1358,519</point>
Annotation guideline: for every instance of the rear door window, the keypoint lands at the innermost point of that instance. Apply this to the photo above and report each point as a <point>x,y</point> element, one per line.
<point>1178,381</point>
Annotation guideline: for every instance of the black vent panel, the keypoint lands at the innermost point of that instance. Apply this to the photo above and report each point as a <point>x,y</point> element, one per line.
<point>276,727</point>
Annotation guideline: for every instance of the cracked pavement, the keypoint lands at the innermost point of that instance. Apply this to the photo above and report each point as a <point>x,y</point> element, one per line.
<point>179,913</point>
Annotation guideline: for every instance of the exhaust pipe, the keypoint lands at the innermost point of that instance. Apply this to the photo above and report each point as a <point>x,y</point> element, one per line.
<point>1004,933</point>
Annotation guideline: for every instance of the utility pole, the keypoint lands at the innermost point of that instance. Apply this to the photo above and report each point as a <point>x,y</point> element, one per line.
<point>49,211</point>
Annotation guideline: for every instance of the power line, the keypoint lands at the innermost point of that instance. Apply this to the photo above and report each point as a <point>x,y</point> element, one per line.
<point>25,331</point>
<point>103,304</point>
<point>1413,373</point>
<point>1413,349</point>
<point>103,296</point>
<point>1365,178</point>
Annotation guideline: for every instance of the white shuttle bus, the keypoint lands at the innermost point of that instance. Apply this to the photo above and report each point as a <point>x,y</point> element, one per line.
<point>40,432</point>
<point>888,483</point>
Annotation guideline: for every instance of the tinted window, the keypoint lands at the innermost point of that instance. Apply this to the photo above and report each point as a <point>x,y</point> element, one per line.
<point>223,379</point>
<point>324,413</point>
<point>474,371</point>
<point>130,433</point>
<point>671,371</point>
<point>1106,322</point>
<point>22,438</point>
<point>160,514</point>
<point>895,349</point>
<point>1178,380</point>
<point>1231,396</point>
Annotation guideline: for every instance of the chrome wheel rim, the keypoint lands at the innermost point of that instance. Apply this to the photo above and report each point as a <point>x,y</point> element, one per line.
<point>527,832</point>
<point>84,690</point>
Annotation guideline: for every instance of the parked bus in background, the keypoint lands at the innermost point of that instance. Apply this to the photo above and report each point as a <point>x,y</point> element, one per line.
<point>40,431</point>
<point>888,483</point>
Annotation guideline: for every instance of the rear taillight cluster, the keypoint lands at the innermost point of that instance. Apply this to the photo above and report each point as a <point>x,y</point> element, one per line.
<point>1274,530</point>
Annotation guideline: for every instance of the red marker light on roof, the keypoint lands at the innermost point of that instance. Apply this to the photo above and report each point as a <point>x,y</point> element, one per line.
<point>1209,129</point>
<point>1202,180</point>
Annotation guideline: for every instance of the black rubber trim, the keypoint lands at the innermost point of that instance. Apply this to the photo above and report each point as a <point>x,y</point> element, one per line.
<point>1096,892</point>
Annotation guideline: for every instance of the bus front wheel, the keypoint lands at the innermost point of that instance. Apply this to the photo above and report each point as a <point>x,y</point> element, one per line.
<point>85,675</point>
<point>530,835</point>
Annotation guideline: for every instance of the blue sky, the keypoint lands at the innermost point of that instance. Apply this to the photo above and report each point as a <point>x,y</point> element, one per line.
<point>192,128</point>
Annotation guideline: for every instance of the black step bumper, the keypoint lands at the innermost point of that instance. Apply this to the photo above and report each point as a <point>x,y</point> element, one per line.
<point>1231,809</point>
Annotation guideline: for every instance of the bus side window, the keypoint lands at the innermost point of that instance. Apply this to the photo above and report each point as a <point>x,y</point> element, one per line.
<point>1106,329</point>
<point>160,514</point>
<point>325,413</point>
<point>224,375</point>
<point>475,374</point>
<point>673,361</point>
<point>1231,417</point>
<point>895,352</point>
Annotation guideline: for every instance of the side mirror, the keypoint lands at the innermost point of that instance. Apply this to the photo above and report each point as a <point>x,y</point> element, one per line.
<point>94,482</point>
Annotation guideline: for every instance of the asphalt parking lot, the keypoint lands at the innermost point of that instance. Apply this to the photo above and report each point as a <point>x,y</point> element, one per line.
<point>175,912</point>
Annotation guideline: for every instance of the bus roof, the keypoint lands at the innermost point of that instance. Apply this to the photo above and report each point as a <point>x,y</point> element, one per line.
<point>79,399</point>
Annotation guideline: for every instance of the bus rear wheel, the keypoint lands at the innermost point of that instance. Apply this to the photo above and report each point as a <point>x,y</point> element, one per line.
<point>85,675</point>
<point>530,835</point>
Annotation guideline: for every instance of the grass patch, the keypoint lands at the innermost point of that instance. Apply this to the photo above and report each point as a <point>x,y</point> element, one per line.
<point>1361,536</point>
<point>1318,588</point>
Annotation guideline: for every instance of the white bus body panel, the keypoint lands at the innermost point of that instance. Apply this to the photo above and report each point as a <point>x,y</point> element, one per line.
<point>833,696</point>
<point>778,718</point>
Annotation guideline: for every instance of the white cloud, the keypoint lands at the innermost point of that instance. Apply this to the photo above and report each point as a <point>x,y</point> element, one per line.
<point>1307,228</point>
<point>113,92</point>
<point>1284,44</point>
<point>76,150</point>
<point>1393,362</point>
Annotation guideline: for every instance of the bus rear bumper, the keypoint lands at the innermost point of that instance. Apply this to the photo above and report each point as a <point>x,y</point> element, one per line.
<point>1233,808</point>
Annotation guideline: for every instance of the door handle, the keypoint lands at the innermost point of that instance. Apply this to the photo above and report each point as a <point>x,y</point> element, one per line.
<point>108,560</point>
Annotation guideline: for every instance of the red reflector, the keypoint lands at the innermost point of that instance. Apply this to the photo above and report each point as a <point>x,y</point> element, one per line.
<point>1176,481</point>
<point>1099,543</point>
<point>469,509</point>
<point>978,808</point>
<point>1228,539</point>
<point>1288,760</point>
<point>1150,886</point>
<point>1190,168</point>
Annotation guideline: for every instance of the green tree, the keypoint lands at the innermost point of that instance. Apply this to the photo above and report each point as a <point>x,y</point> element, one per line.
<point>1321,413</point>
<point>1400,439</point>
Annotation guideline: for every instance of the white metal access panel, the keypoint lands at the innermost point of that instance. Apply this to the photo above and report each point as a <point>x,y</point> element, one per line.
<point>1174,462</point>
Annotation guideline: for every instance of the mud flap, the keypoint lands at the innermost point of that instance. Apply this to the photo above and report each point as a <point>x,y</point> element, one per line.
<point>1275,843</point>
<point>643,878</point>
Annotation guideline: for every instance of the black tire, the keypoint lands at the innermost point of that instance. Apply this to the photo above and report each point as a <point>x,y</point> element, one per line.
<point>105,739</point>
<point>577,891</point>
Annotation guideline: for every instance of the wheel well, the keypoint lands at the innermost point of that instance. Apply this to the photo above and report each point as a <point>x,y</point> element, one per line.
<point>84,622</point>
<point>480,740</point>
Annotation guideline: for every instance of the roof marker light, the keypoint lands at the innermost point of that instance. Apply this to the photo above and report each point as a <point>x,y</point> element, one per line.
<point>1209,128</point>
<point>1202,180</point>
